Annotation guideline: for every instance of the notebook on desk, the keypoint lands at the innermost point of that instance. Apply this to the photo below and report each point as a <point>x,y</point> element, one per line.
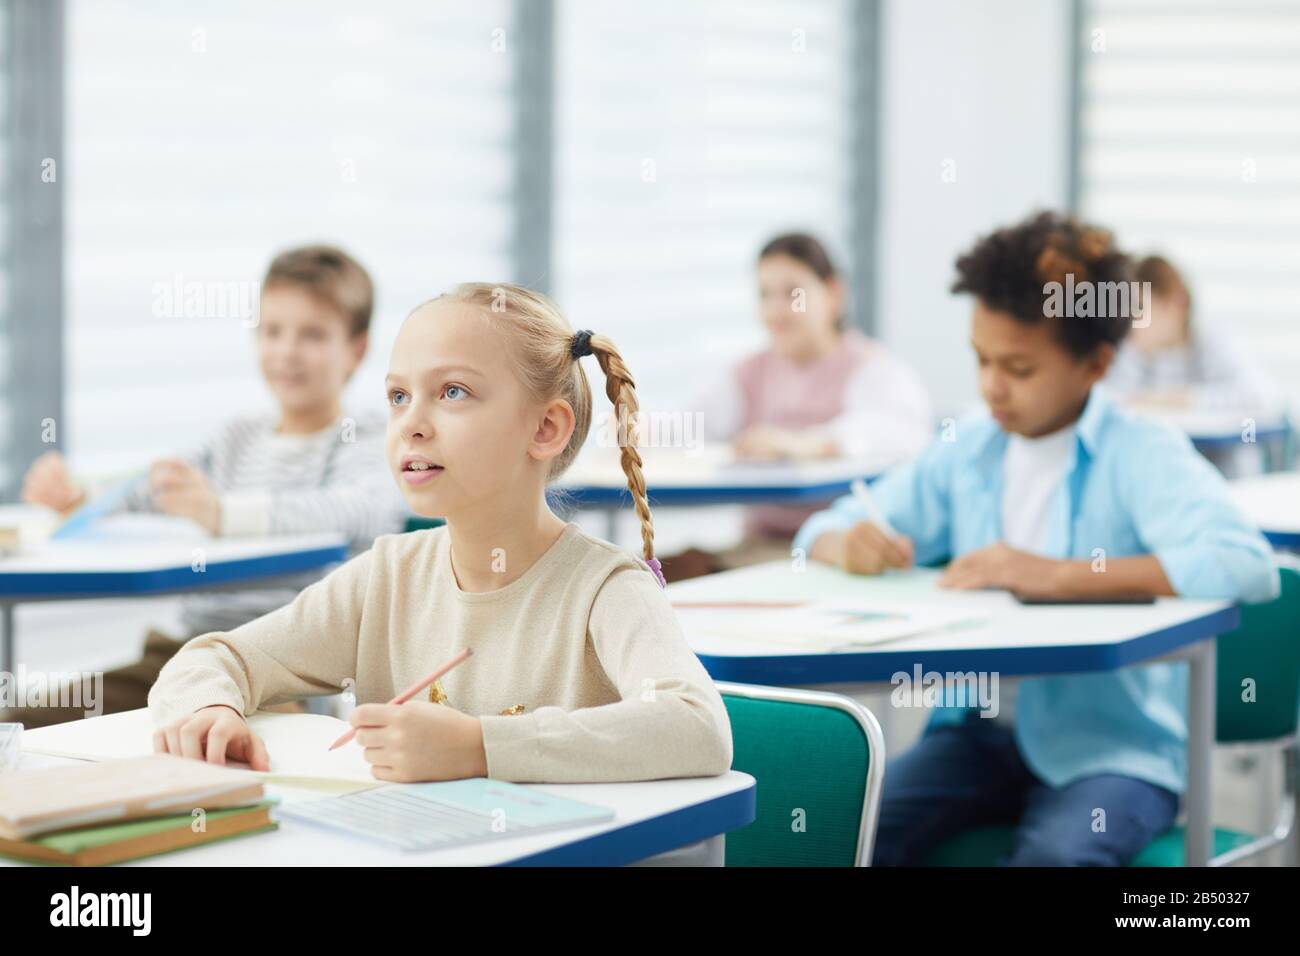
<point>436,816</point>
<point>823,626</point>
<point>298,745</point>
<point>51,799</point>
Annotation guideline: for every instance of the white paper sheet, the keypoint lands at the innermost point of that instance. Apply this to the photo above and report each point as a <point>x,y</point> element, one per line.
<point>822,625</point>
<point>298,745</point>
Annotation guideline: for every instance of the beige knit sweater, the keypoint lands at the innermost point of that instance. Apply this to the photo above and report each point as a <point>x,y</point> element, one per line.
<point>585,640</point>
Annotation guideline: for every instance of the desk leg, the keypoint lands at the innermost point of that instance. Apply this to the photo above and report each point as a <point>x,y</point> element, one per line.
<point>1201,701</point>
<point>6,638</point>
<point>611,525</point>
<point>1291,773</point>
<point>710,852</point>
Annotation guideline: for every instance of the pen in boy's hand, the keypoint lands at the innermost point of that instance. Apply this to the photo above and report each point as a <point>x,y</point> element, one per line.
<point>410,692</point>
<point>874,514</point>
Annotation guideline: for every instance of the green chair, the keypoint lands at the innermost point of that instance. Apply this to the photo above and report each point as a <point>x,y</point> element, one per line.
<point>819,760</point>
<point>1264,649</point>
<point>418,523</point>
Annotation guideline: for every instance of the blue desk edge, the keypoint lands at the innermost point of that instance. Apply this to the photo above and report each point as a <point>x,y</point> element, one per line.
<point>21,584</point>
<point>645,839</point>
<point>880,665</point>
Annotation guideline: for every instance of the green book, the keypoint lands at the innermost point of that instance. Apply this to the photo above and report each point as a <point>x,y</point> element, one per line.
<point>116,842</point>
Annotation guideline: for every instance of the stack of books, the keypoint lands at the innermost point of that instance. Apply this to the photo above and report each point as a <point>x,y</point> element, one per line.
<point>95,814</point>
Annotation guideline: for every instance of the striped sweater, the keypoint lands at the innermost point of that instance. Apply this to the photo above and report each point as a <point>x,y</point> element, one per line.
<point>268,483</point>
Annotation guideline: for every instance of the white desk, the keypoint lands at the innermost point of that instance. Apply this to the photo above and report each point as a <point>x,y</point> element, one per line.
<point>142,555</point>
<point>651,818</point>
<point>1219,429</point>
<point>1014,641</point>
<point>1273,503</point>
<point>707,475</point>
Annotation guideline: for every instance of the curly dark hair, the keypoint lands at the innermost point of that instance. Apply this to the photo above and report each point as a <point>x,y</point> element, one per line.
<point>1009,271</point>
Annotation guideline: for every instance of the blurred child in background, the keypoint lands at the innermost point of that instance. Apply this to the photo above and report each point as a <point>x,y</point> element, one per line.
<point>1171,364</point>
<point>819,390</point>
<point>307,467</point>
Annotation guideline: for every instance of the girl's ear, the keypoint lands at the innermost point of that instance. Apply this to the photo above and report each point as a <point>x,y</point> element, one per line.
<point>554,429</point>
<point>836,296</point>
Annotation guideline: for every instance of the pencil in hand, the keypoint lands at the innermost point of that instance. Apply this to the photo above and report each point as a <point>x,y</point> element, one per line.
<point>874,514</point>
<point>410,692</point>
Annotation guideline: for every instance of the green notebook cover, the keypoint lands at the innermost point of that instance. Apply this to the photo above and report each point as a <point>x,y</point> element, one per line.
<point>75,841</point>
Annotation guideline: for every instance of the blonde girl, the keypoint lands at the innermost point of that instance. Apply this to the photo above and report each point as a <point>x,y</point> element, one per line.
<point>580,671</point>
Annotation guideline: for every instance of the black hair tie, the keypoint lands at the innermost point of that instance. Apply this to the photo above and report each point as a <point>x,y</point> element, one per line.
<point>581,344</point>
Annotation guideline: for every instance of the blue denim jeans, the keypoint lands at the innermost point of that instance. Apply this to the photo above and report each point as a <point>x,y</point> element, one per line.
<point>969,775</point>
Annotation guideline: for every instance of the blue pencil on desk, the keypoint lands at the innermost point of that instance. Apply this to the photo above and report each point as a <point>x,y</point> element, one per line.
<point>874,514</point>
<point>96,508</point>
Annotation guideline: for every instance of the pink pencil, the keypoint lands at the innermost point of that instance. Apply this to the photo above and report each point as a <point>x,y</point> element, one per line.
<point>410,692</point>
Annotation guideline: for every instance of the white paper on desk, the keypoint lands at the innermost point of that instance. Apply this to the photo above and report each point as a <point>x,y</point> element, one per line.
<point>822,625</point>
<point>297,743</point>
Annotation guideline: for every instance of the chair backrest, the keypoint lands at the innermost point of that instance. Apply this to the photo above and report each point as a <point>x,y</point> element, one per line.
<point>819,761</point>
<point>1264,650</point>
<point>418,523</point>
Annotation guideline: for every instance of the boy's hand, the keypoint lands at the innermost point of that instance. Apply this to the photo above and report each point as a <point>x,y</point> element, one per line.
<point>417,741</point>
<point>1001,566</point>
<point>181,489</point>
<point>213,734</point>
<point>48,483</point>
<point>865,548</point>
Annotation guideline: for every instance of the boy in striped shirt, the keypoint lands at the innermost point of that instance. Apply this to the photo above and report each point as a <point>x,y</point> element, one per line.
<point>308,467</point>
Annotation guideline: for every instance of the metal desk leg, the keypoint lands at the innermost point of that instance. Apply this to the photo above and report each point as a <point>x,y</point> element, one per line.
<point>6,638</point>
<point>710,852</point>
<point>1201,701</point>
<point>1291,773</point>
<point>611,525</point>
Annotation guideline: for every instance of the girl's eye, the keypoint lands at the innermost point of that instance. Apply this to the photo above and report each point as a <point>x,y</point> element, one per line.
<point>447,392</point>
<point>396,398</point>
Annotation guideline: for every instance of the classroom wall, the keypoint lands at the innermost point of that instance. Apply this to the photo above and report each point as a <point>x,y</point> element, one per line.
<point>986,86</point>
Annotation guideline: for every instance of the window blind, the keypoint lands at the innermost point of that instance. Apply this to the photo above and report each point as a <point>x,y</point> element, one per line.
<point>686,134</point>
<point>1190,145</point>
<point>207,136</point>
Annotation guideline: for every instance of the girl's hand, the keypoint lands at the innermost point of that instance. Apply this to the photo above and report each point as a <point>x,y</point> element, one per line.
<point>181,489</point>
<point>48,483</point>
<point>1157,400</point>
<point>760,443</point>
<point>1001,566</point>
<point>213,734</point>
<point>418,741</point>
<point>770,443</point>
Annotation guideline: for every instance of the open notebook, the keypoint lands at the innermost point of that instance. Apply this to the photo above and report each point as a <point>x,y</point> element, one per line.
<point>435,816</point>
<point>298,745</point>
<point>821,626</point>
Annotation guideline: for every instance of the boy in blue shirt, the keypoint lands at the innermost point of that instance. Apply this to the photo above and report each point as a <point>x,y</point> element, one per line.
<point>1055,492</point>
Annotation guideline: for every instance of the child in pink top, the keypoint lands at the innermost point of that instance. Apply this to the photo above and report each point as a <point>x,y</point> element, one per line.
<point>820,390</point>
